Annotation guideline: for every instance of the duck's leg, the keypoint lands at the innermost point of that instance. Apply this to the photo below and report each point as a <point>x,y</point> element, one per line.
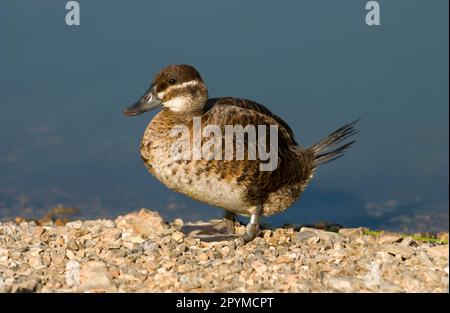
<point>252,228</point>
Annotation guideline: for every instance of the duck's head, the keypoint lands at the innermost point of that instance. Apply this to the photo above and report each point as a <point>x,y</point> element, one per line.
<point>180,88</point>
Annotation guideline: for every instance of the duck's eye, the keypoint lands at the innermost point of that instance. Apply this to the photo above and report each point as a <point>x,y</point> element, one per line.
<point>172,81</point>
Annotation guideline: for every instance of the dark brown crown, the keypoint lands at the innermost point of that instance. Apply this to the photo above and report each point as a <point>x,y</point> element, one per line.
<point>175,74</point>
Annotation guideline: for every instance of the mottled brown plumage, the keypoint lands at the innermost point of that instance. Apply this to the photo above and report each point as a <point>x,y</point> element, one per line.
<point>238,186</point>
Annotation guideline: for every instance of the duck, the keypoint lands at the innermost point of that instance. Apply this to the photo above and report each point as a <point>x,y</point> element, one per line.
<point>244,184</point>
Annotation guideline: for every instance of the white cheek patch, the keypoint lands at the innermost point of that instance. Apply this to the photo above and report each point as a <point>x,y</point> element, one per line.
<point>178,86</point>
<point>177,104</point>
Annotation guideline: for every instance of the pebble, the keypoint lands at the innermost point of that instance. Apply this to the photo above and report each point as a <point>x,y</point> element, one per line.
<point>443,236</point>
<point>139,252</point>
<point>372,279</point>
<point>399,250</point>
<point>145,223</point>
<point>72,245</point>
<point>439,251</point>
<point>283,259</point>
<point>259,267</point>
<point>321,234</point>
<point>37,231</point>
<point>178,236</point>
<point>389,238</point>
<point>203,257</point>
<point>178,223</point>
<point>95,277</point>
<point>225,251</point>
<point>35,261</point>
<point>70,255</point>
<point>352,232</point>
<point>72,273</point>
<point>304,235</point>
<point>340,284</point>
<point>408,241</point>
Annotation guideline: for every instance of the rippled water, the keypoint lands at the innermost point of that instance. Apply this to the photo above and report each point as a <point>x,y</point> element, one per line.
<point>64,140</point>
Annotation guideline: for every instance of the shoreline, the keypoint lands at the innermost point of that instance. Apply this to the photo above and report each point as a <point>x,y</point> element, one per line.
<point>140,252</point>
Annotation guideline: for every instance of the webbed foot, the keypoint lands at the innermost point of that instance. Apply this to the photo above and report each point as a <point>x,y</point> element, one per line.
<point>218,230</point>
<point>224,230</point>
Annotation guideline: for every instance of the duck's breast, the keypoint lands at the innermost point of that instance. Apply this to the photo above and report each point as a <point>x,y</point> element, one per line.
<point>194,178</point>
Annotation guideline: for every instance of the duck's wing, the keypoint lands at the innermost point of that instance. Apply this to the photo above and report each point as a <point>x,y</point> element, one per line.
<point>293,165</point>
<point>255,107</point>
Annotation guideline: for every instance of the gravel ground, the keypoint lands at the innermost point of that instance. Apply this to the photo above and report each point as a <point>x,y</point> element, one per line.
<point>139,252</point>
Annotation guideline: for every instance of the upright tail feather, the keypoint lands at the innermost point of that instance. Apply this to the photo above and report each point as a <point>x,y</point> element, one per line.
<point>322,150</point>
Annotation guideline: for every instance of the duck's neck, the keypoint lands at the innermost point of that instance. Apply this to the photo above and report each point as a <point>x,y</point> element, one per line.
<point>165,120</point>
<point>180,117</point>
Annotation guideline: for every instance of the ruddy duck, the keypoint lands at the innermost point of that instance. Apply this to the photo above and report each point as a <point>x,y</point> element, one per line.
<point>239,186</point>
